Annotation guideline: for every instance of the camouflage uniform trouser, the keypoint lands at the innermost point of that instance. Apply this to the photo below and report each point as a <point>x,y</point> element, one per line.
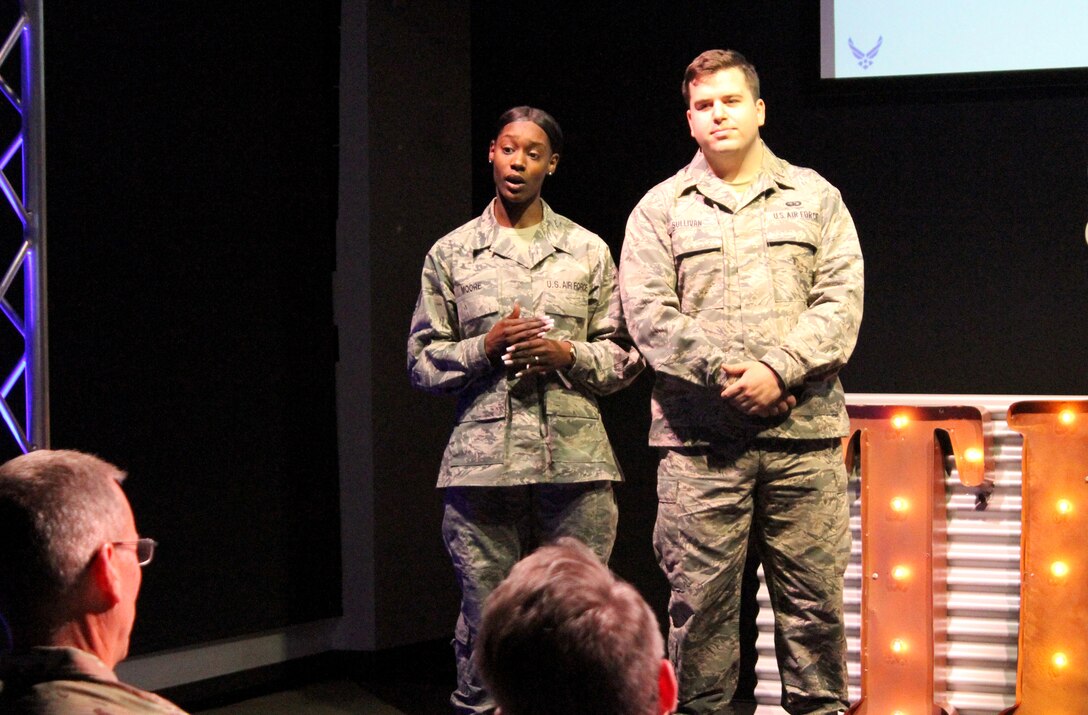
<point>489,529</point>
<point>796,492</point>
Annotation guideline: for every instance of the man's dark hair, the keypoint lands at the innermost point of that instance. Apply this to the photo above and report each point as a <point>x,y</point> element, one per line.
<point>713,61</point>
<point>562,634</point>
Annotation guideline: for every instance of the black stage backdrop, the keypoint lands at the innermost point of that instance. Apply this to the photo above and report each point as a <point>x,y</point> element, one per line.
<point>192,186</point>
<point>192,206</point>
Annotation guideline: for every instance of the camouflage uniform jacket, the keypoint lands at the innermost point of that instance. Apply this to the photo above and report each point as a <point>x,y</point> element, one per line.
<point>510,430</point>
<point>58,681</point>
<point>708,280</point>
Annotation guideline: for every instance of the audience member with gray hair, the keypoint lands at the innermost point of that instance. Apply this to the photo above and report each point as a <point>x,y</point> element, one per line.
<point>70,561</point>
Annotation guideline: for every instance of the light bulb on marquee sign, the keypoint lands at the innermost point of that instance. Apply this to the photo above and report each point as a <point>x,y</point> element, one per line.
<point>903,545</point>
<point>1051,677</point>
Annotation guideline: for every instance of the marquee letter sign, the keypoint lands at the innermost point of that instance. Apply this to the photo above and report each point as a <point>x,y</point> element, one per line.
<point>1052,668</point>
<point>903,545</point>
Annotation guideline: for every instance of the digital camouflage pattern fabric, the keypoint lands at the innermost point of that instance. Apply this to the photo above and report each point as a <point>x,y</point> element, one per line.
<point>706,504</point>
<point>488,530</point>
<point>529,459</point>
<point>708,280</point>
<point>528,430</point>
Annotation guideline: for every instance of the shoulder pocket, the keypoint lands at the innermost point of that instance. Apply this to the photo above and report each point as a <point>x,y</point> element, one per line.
<point>477,303</point>
<point>793,264</point>
<point>690,241</point>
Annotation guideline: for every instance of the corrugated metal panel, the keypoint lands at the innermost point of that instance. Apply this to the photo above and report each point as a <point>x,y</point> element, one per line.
<point>983,577</point>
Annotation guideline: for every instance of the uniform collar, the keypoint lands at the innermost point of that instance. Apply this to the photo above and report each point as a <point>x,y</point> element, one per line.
<point>698,176</point>
<point>45,663</point>
<point>550,235</point>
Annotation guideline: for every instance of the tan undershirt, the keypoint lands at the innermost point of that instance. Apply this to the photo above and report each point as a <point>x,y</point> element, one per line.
<point>738,188</point>
<point>520,237</point>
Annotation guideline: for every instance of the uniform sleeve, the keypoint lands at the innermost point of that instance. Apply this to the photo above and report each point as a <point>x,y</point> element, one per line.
<point>673,343</point>
<point>824,336</point>
<point>439,361</point>
<point>607,360</point>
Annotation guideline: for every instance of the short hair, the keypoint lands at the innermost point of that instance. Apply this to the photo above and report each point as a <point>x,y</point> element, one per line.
<point>713,61</point>
<point>562,634</point>
<point>56,509</point>
<point>538,117</point>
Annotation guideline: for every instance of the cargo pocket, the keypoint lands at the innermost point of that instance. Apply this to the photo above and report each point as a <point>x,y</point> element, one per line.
<point>666,535</point>
<point>575,429</point>
<point>479,437</point>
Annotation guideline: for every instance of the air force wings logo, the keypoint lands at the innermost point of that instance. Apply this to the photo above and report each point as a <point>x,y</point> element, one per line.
<point>865,59</point>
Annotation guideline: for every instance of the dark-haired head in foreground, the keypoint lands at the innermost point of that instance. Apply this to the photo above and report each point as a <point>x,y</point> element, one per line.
<point>562,634</point>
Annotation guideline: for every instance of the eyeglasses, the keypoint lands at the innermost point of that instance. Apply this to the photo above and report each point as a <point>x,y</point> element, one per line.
<point>145,549</point>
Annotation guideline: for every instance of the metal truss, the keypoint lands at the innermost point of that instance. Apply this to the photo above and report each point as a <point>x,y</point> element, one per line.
<point>28,203</point>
